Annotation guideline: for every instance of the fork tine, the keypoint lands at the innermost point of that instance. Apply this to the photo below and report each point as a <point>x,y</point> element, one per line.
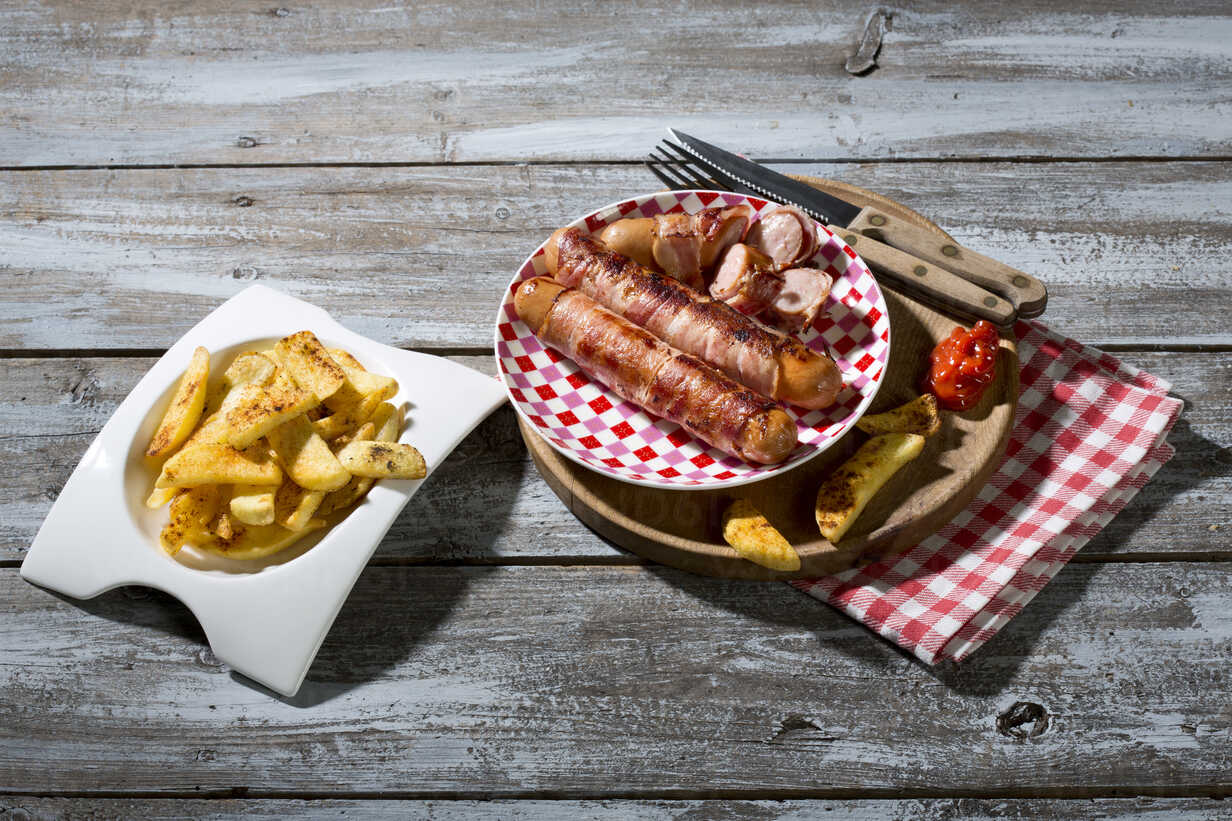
<point>663,178</point>
<point>687,169</point>
<point>678,180</point>
<point>700,171</point>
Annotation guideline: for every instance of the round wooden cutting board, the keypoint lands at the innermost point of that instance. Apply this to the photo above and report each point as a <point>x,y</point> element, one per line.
<point>681,528</point>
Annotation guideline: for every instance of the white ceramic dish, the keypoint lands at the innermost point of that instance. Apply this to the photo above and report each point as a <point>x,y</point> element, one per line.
<point>265,618</point>
<point>589,424</point>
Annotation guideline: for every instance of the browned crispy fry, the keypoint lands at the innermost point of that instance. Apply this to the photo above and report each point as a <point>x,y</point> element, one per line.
<point>185,408</point>
<point>752,536</point>
<point>920,415</point>
<point>309,364</point>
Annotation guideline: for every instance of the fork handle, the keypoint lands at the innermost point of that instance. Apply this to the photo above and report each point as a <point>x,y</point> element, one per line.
<point>930,283</point>
<point>1026,293</point>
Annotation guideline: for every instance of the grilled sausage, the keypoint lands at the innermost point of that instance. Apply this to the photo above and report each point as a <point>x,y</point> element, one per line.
<point>769,362</point>
<point>639,367</point>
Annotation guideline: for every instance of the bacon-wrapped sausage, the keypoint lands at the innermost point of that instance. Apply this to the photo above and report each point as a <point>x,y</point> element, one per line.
<point>645,370</point>
<point>769,362</point>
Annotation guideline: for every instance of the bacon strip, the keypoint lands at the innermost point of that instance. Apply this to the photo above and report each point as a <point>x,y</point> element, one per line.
<point>642,369</point>
<point>693,322</point>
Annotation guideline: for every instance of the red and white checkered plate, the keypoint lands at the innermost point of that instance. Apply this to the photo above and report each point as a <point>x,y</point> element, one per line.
<point>592,426</point>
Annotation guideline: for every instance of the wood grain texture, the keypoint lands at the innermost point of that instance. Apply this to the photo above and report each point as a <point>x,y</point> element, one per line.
<point>488,503</point>
<point>361,81</point>
<point>607,682</point>
<point>418,256</point>
<point>920,809</point>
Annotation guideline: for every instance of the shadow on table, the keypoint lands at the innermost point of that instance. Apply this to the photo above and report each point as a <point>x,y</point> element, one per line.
<point>1198,460</point>
<point>404,593</point>
<point>397,601</point>
<point>992,668</point>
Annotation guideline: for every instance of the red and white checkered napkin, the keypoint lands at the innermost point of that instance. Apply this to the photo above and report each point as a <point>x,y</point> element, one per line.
<point>1088,435</point>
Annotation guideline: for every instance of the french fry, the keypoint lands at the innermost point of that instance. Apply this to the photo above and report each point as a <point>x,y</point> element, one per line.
<point>191,512</point>
<point>159,496</point>
<point>185,409</point>
<point>351,417</point>
<point>253,504</point>
<point>305,457</point>
<point>256,542</point>
<point>752,536</point>
<point>358,486</point>
<point>845,492</point>
<point>388,420</point>
<point>369,383</point>
<point>309,364</point>
<point>246,369</point>
<point>219,465</point>
<point>921,415</point>
<point>346,359</point>
<point>259,410</point>
<point>294,506</point>
<point>255,471</point>
<point>383,460</point>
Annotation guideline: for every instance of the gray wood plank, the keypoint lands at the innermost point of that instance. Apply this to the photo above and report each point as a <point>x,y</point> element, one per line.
<point>623,682</point>
<point>1132,252</point>
<point>361,81</point>
<point>487,502</point>
<point>921,809</point>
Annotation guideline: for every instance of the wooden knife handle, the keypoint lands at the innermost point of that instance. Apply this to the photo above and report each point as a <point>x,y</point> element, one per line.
<point>929,283</point>
<point>1026,293</point>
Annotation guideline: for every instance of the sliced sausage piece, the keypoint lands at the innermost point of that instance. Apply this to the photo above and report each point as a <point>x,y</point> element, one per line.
<point>677,248</point>
<point>746,279</point>
<point>639,367</point>
<point>798,303</point>
<point>786,234</point>
<point>720,228</point>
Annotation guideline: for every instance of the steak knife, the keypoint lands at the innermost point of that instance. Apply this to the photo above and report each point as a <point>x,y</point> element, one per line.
<point>918,261</point>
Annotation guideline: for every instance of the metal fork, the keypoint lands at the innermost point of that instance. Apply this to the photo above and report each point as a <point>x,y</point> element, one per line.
<point>679,170</point>
<point>676,169</point>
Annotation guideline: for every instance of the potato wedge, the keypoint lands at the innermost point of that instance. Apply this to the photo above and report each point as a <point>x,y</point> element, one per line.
<point>256,542</point>
<point>253,504</point>
<point>846,491</point>
<point>159,496</point>
<point>294,506</point>
<point>259,410</point>
<point>383,460</point>
<point>369,383</point>
<point>921,415</point>
<point>352,416</point>
<point>358,486</point>
<point>752,536</point>
<point>219,465</point>
<point>346,359</point>
<point>309,364</point>
<point>185,409</point>
<point>305,457</point>
<point>245,369</point>
<point>191,512</point>
<point>388,420</point>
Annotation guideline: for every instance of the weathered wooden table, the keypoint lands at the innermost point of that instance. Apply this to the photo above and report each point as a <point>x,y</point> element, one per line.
<point>393,165</point>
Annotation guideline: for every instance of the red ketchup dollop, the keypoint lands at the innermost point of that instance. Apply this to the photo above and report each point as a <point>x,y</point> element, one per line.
<point>962,366</point>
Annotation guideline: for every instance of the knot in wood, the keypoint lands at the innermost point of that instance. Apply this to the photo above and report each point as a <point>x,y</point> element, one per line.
<point>242,201</point>
<point>1024,719</point>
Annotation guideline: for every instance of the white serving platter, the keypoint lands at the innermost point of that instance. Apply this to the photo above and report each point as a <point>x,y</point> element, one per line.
<point>264,618</point>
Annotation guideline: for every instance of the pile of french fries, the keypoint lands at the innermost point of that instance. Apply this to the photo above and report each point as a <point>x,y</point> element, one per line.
<point>283,439</point>
<point>895,438</point>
